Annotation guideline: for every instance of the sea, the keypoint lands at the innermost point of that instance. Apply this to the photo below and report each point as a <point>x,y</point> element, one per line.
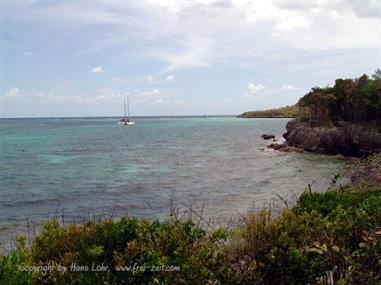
<point>79,168</point>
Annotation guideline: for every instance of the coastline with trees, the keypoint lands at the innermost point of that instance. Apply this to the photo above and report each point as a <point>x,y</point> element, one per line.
<point>325,238</point>
<point>343,119</point>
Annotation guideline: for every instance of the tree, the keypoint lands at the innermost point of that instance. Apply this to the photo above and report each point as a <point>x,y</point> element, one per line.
<point>377,74</point>
<point>317,105</point>
<point>344,90</point>
<point>353,100</point>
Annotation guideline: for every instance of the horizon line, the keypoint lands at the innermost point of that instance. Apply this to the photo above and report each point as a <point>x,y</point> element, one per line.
<point>137,117</point>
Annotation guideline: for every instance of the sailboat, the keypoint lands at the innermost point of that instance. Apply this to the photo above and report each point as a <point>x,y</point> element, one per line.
<point>125,121</point>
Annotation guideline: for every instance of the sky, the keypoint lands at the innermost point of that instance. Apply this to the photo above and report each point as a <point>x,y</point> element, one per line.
<point>83,58</point>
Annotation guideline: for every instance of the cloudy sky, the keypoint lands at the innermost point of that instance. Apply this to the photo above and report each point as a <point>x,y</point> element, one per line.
<point>81,58</point>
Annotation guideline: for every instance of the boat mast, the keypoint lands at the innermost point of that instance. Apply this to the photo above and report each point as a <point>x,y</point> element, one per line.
<point>128,109</point>
<point>124,105</point>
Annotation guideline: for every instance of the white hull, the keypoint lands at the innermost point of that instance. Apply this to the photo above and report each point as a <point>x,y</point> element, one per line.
<point>126,123</point>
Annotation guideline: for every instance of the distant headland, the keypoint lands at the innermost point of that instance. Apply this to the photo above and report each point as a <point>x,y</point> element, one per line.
<point>283,112</point>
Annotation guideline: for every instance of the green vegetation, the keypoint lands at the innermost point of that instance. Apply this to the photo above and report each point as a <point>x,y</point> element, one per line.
<point>284,112</point>
<point>125,247</point>
<point>330,237</point>
<point>352,100</point>
<point>335,235</point>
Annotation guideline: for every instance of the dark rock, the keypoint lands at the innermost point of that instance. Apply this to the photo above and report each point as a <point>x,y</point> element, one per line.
<point>294,149</point>
<point>267,137</point>
<point>276,146</point>
<point>285,147</point>
<point>345,138</point>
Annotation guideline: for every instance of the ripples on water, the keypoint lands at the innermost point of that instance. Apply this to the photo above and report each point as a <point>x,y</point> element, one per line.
<point>83,165</point>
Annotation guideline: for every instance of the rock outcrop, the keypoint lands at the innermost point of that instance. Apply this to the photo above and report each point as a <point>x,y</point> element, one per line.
<point>285,147</point>
<point>344,138</point>
<point>267,137</point>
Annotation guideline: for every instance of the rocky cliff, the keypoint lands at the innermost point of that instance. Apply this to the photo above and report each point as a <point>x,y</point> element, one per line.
<point>344,138</point>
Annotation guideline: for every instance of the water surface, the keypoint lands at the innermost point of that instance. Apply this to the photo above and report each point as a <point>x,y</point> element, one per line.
<point>83,165</point>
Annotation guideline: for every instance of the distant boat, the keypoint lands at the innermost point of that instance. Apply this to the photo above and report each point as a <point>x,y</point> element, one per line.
<point>125,121</point>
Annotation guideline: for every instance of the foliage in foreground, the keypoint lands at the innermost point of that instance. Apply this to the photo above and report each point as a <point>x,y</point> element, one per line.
<point>333,236</point>
<point>325,238</point>
<point>129,249</point>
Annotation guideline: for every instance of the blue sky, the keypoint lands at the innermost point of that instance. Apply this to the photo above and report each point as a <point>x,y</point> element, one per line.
<point>82,58</point>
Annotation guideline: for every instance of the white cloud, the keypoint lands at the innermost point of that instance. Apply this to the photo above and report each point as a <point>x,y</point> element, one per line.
<point>153,79</point>
<point>150,94</point>
<point>334,14</point>
<point>27,53</point>
<point>366,9</point>
<point>205,32</point>
<point>120,79</point>
<point>297,22</point>
<point>193,51</point>
<point>273,58</point>
<point>104,96</point>
<point>170,78</point>
<point>155,96</point>
<point>97,70</point>
<point>13,92</point>
<point>287,87</point>
<point>253,89</point>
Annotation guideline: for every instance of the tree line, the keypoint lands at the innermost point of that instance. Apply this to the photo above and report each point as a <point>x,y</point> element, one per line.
<point>353,100</point>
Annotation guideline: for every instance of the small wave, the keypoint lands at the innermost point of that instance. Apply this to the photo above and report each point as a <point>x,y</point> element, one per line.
<point>23,203</point>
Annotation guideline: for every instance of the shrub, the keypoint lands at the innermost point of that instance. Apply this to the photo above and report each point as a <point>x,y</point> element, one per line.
<point>333,237</point>
<point>11,266</point>
<point>133,245</point>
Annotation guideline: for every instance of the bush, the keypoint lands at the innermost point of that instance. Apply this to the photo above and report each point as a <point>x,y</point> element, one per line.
<point>333,237</point>
<point>11,266</point>
<point>130,250</point>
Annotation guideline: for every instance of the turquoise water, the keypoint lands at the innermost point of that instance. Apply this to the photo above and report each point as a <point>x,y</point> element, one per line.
<point>84,166</point>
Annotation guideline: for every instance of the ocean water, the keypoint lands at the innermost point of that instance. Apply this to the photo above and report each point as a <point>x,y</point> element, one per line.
<point>82,166</point>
